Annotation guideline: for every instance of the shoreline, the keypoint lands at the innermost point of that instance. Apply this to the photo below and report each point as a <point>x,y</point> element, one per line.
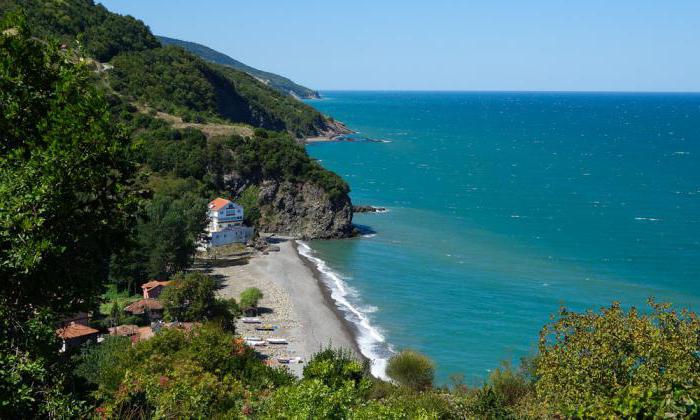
<point>295,302</point>
<point>348,326</point>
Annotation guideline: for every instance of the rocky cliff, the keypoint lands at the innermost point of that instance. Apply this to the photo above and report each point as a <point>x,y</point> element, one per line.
<point>303,210</point>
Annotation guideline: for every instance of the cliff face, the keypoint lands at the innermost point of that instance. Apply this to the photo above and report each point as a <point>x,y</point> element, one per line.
<point>303,210</point>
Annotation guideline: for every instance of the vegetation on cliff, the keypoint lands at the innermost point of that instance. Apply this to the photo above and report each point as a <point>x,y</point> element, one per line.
<point>169,79</point>
<point>275,81</point>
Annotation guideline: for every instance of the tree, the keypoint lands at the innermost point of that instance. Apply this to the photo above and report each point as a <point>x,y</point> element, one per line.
<point>250,297</point>
<point>191,297</point>
<point>115,314</point>
<point>65,205</point>
<point>619,363</point>
<point>411,369</point>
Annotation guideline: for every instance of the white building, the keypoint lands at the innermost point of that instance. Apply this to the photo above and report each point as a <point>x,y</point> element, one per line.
<point>226,223</point>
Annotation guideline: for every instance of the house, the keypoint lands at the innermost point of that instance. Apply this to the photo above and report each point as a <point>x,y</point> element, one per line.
<point>226,223</point>
<point>74,335</point>
<point>224,213</point>
<point>124,330</point>
<point>153,289</point>
<point>134,332</point>
<point>152,307</point>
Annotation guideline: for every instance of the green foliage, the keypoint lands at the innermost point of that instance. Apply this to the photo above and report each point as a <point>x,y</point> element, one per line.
<point>279,83</point>
<point>165,240</point>
<point>65,205</point>
<point>621,363</point>
<point>249,200</point>
<point>509,385</point>
<point>175,81</point>
<point>250,297</point>
<point>275,156</point>
<point>64,177</point>
<point>102,33</point>
<point>401,405</point>
<point>335,367</point>
<point>191,297</point>
<point>100,364</point>
<point>311,399</point>
<point>411,369</point>
<point>178,375</point>
<point>273,110</point>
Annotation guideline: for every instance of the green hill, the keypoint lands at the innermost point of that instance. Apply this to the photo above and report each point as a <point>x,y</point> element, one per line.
<point>168,79</point>
<point>275,81</point>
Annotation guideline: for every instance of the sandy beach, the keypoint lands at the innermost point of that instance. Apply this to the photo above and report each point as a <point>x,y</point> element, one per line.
<point>294,302</point>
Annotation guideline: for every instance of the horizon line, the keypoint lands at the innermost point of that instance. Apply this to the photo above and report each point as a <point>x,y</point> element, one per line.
<point>509,91</point>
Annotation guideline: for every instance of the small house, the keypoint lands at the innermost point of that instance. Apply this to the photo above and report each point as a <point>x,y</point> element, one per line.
<point>151,307</point>
<point>124,330</point>
<point>74,335</point>
<point>153,289</point>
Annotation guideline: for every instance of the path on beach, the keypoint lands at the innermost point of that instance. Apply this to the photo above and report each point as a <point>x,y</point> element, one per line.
<point>293,302</point>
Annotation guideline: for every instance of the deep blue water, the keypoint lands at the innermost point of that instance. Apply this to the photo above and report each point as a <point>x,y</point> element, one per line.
<point>504,206</point>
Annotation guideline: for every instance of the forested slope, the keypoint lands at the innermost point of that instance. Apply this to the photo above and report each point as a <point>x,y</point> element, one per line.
<point>168,79</point>
<point>275,81</point>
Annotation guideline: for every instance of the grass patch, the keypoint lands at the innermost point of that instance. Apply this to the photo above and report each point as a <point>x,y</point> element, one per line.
<point>122,298</point>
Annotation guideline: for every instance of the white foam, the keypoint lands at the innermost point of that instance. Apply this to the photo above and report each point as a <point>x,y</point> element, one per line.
<point>371,342</point>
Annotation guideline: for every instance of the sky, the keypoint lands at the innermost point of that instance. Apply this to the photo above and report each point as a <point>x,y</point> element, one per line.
<point>531,45</point>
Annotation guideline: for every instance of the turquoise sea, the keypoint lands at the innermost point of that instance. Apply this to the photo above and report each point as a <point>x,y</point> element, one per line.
<point>504,206</point>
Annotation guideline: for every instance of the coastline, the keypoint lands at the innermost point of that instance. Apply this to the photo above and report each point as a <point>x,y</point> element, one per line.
<point>346,325</point>
<point>295,301</point>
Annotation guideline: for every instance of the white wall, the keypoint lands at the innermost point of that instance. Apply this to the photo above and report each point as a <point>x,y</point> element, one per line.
<point>234,234</point>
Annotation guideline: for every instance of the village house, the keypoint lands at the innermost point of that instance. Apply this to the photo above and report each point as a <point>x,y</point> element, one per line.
<point>226,223</point>
<point>134,332</point>
<point>151,307</point>
<point>74,335</point>
<point>153,289</point>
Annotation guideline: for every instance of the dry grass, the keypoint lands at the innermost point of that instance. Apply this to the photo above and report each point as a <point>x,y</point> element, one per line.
<point>209,129</point>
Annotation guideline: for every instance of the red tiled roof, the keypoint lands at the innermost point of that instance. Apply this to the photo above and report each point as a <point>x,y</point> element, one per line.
<point>145,333</point>
<point>140,306</point>
<point>124,330</point>
<point>74,330</point>
<point>154,283</point>
<point>218,203</point>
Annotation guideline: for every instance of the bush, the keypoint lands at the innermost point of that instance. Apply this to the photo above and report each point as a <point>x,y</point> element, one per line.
<point>101,365</point>
<point>619,363</point>
<point>250,297</point>
<point>335,367</point>
<point>411,369</point>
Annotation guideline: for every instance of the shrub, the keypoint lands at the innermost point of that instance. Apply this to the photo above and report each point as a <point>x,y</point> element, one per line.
<point>250,297</point>
<point>619,363</point>
<point>335,367</point>
<point>100,365</point>
<point>411,369</point>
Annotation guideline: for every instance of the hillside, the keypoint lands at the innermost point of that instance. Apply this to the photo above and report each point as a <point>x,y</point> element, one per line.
<point>275,81</point>
<point>169,79</point>
<point>187,118</point>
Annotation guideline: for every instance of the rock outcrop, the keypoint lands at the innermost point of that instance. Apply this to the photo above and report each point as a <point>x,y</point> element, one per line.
<point>368,209</point>
<point>303,210</point>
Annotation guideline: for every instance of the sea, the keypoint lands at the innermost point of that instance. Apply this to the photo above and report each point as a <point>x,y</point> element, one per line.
<point>502,207</point>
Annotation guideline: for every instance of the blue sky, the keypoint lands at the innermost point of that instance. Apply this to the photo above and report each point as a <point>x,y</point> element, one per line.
<point>593,45</point>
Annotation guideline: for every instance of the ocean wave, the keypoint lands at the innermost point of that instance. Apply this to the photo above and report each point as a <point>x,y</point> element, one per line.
<point>371,342</point>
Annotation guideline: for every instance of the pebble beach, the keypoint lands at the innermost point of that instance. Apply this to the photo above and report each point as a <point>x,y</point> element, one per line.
<point>294,303</point>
